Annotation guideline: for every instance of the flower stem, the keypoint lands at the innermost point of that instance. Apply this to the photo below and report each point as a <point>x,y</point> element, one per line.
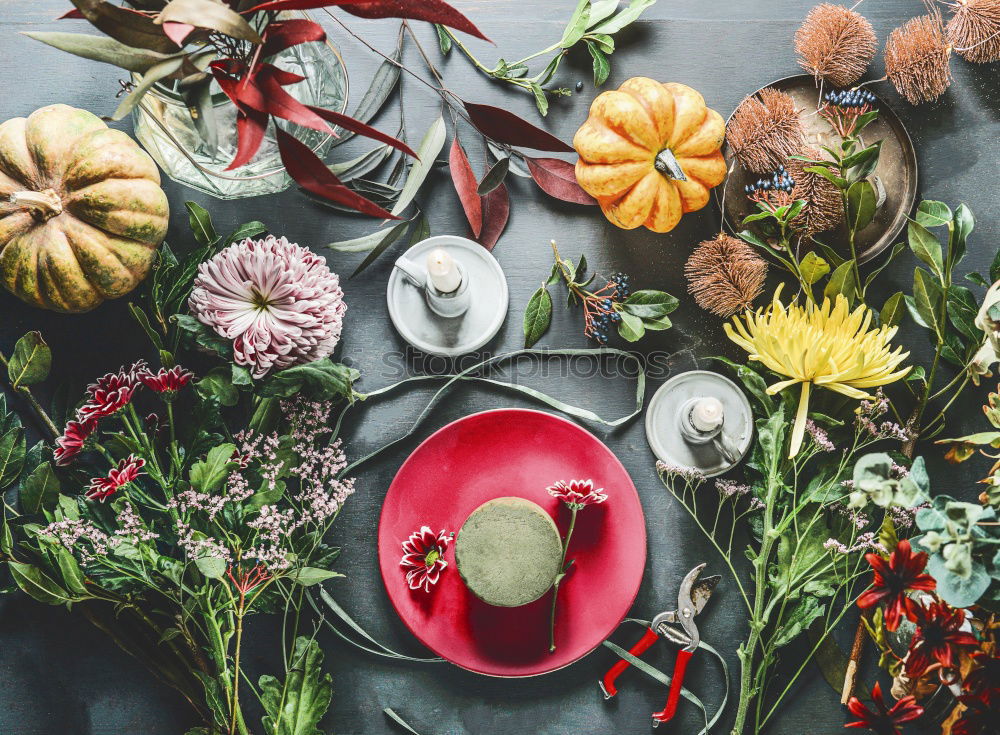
<point>559,577</point>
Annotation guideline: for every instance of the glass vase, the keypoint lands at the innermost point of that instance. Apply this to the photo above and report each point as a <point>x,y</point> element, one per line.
<point>198,156</point>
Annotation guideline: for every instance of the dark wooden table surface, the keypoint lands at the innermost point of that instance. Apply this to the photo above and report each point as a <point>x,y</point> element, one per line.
<point>59,675</point>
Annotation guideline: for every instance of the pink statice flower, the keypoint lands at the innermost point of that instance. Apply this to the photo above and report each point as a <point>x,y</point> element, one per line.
<point>423,557</point>
<point>277,302</point>
<point>128,469</point>
<point>577,494</point>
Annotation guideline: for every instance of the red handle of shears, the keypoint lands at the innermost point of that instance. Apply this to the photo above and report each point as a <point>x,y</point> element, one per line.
<point>608,682</point>
<point>676,682</point>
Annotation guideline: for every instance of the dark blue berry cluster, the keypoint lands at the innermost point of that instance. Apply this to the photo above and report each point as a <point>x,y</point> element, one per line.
<point>850,98</point>
<point>780,180</point>
<point>599,310</point>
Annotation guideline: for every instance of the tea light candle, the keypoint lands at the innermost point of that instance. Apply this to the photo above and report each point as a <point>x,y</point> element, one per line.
<point>707,414</point>
<point>443,270</point>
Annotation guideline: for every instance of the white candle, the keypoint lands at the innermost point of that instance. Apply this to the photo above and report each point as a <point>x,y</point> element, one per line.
<point>443,270</point>
<point>707,414</point>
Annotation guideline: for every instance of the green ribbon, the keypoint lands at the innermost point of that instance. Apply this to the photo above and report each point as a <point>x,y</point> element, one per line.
<point>659,676</point>
<point>570,410</point>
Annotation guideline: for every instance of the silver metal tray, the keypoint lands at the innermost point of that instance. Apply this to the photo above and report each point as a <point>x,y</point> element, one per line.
<point>895,176</point>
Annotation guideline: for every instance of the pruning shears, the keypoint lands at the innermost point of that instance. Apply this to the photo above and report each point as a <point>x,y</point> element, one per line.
<point>691,600</point>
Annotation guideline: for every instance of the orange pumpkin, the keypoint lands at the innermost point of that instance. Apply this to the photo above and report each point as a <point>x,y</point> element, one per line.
<point>649,152</point>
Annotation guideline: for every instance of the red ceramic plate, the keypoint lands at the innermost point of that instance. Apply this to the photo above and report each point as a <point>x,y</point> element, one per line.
<point>502,453</point>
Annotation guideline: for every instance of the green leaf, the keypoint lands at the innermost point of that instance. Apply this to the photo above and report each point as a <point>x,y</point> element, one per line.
<point>38,585</point>
<point>209,474</point>
<point>893,310</point>
<point>797,620</point>
<point>648,303</point>
<point>958,591</point>
<point>933,214</point>
<point>241,233</point>
<point>12,451</point>
<point>71,572</point>
<point>430,147</point>
<point>101,48</point>
<point>964,223</point>
<point>826,173</point>
<point>925,246</point>
<point>866,163</point>
<point>241,375</point>
<point>494,177</point>
<point>861,205</point>
<point>577,25</point>
<point>537,316</point>
<point>390,237</point>
<point>39,490</point>
<point>204,335</point>
<point>142,319</point>
<point>927,297</point>
<point>843,282</point>
<point>630,327</point>
<point>321,380</point>
<point>213,567</point>
<point>308,576</point>
<point>600,10</point>
<point>657,325</point>
<point>31,361</point>
<point>602,67</point>
<point>444,40</point>
<point>297,706</point>
<point>813,267</point>
<point>218,382</point>
<point>626,17</point>
<point>365,243</point>
<point>541,101</point>
<point>153,74</point>
<point>201,225</point>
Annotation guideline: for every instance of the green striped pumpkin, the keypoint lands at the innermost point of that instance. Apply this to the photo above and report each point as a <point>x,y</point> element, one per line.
<point>81,210</point>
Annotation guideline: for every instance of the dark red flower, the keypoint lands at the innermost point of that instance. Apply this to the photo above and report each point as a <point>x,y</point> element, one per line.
<point>938,639</point>
<point>883,720</point>
<point>979,718</point>
<point>111,392</point>
<point>893,578</point>
<point>72,441</point>
<point>166,381</point>
<point>127,471</point>
<point>423,557</point>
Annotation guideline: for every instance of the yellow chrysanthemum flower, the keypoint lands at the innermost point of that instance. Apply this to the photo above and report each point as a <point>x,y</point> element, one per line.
<point>827,345</point>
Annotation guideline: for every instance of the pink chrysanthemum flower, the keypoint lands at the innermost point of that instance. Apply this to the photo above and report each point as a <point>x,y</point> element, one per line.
<point>127,471</point>
<point>73,439</point>
<point>577,494</point>
<point>423,557</point>
<point>277,302</point>
<point>166,381</point>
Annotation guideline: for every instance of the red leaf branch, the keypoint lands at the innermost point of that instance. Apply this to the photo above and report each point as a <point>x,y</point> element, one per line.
<point>506,127</point>
<point>496,211</point>
<point>464,179</point>
<point>557,178</point>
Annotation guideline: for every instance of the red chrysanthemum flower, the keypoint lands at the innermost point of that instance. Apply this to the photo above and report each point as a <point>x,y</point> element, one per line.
<point>938,640</point>
<point>72,441</point>
<point>111,392</point>
<point>166,381</point>
<point>423,557</point>
<point>893,578</point>
<point>577,494</point>
<point>883,720</point>
<point>127,471</point>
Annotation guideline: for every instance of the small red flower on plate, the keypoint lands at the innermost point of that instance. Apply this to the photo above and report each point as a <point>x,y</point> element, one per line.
<point>423,557</point>
<point>883,720</point>
<point>938,639</point>
<point>893,578</point>
<point>127,470</point>
<point>577,494</point>
<point>166,381</point>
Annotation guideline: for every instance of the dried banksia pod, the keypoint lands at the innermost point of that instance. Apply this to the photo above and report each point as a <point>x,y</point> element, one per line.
<point>916,59</point>
<point>725,275</point>
<point>824,208</point>
<point>974,30</point>
<point>765,130</point>
<point>836,44</point>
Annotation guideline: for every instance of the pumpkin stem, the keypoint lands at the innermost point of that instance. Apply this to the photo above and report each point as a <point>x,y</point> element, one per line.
<point>43,204</point>
<point>666,163</point>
